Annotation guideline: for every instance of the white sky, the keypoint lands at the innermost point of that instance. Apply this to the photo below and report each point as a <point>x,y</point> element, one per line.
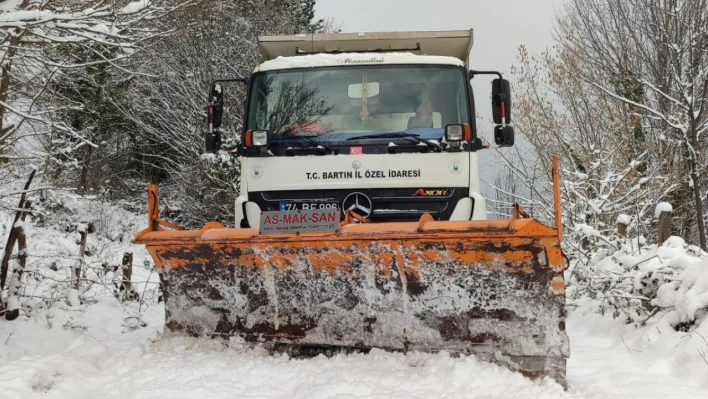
<point>500,27</point>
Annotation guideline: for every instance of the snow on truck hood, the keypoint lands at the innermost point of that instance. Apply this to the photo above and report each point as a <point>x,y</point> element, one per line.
<point>324,60</point>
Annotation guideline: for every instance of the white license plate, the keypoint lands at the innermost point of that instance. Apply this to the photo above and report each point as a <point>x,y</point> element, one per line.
<point>318,205</point>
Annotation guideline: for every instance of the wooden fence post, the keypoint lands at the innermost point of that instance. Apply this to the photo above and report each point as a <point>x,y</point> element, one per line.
<point>664,226</point>
<point>13,234</point>
<point>77,267</point>
<point>623,222</point>
<point>83,233</point>
<point>622,229</point>
<point>126,284</point>
<point>13,303</point>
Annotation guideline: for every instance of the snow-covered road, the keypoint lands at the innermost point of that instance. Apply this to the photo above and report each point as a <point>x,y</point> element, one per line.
<point>41,362</point>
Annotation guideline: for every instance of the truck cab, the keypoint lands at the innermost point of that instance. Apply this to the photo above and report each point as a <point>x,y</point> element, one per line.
<point>379,124</point>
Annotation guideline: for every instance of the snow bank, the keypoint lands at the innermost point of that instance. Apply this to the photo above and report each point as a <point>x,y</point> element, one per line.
<point>668,281</point>
<point>53,246</point>
<point>611,359</point>
<point>687,296</point>
<point>649,305</point>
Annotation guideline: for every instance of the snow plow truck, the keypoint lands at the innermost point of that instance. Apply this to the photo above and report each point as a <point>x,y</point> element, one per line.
<point>360,223</point>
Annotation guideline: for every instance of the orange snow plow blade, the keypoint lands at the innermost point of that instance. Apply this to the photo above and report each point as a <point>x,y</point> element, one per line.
<point>492,288</point>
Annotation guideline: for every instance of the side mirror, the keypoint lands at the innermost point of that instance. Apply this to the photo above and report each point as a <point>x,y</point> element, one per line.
<point>216,106</point>
<point>501,101</point>
<point>212,138</point>
<point>212,142</point>
<point>504,136</point>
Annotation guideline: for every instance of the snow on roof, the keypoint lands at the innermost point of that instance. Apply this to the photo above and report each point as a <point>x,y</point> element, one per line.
<point>453,43</point>
<point>324,60</point>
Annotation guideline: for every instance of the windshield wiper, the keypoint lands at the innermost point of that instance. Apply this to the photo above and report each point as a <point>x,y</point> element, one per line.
<point>400,135</point>
<point>313,144</point>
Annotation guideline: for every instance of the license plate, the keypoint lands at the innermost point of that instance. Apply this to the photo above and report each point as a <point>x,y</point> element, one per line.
<point>306,206</point>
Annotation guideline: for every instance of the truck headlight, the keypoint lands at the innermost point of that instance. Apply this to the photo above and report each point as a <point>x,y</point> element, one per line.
<point>453,133</point>
<point>260,138</point>
<point>458,132</point>
<point>256,138</point>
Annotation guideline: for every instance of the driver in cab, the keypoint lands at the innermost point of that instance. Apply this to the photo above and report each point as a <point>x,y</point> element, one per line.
<point>423,117</point>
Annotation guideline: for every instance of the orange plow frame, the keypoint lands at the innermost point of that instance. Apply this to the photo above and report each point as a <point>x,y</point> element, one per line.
<point>494,288</point>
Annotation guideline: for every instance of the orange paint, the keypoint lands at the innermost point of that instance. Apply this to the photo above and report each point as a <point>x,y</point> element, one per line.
<point>494,244</point>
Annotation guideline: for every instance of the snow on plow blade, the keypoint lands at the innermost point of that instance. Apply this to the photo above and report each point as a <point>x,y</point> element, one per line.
<point>493,288</point>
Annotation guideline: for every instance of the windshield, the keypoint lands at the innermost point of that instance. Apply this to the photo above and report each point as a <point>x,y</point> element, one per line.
<point>333,104</point>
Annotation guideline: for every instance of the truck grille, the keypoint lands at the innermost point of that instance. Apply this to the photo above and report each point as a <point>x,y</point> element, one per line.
<point>387,205</point>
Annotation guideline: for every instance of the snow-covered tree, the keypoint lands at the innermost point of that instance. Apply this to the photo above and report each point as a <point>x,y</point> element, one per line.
<point>42,42</point>
<point>652,58</point>
<point>169,106</point>
<point>93,91</point>
<point>606,173</point>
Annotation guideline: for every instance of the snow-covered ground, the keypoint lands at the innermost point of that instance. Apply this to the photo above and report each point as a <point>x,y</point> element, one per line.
<point>144,365</point>
<point>108,349</point>
<point>39,361</point>
<point>612,360</point>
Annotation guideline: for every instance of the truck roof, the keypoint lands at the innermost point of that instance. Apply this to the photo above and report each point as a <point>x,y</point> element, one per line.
<point>456,43</point>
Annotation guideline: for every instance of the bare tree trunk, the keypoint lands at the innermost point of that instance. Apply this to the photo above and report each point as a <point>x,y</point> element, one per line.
<point>14,42</point>
<point>85,169</point>
<point>5,79</point>
<point>699,206</point>
<point>697,192</point>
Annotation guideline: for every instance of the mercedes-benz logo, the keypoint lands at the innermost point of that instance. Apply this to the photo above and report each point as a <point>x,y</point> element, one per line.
<point>359,203</point>
<point>356,164</point>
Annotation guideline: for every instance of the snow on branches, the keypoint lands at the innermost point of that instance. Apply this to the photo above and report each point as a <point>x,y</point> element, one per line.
<point>649,59</point>
<point>640,283</point>
<point>39,40</point>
